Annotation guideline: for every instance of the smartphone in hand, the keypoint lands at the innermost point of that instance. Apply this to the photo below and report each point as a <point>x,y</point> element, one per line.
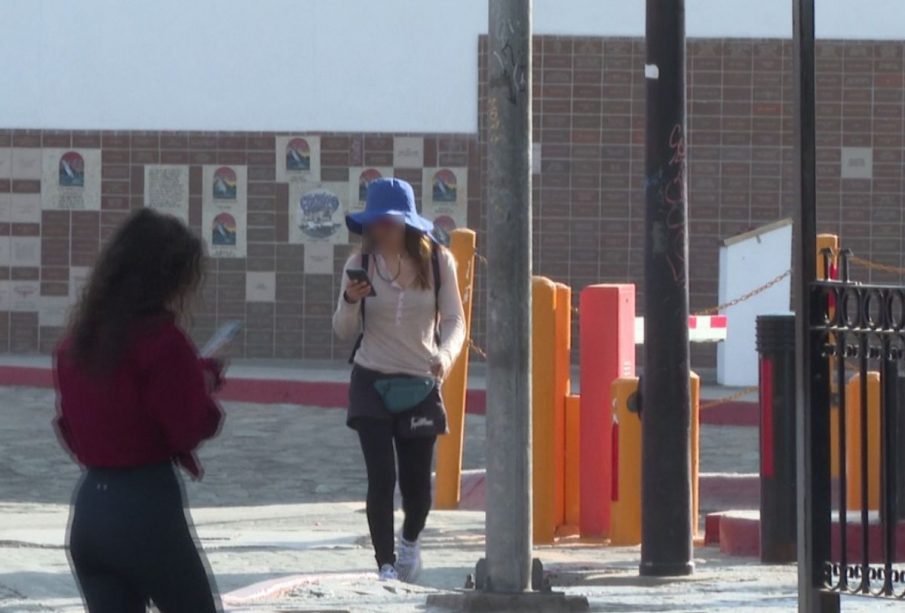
<point>359,275</point>
<point>221,338</point>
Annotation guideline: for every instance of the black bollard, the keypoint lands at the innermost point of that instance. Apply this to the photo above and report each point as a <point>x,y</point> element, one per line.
<point>776,346</point>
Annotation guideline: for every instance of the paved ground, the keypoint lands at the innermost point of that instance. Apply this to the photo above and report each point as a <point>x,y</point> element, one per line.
<point>282,497</point>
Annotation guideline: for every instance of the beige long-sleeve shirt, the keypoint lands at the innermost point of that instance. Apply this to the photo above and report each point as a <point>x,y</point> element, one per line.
<point>399,322</point>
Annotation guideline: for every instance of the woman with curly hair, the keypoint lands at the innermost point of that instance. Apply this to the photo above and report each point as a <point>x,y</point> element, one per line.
<point>135,400</point>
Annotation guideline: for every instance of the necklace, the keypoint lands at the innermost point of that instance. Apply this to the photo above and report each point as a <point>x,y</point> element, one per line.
<point>398,269</point>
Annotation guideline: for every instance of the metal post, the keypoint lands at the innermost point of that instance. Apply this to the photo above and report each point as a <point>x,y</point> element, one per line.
<point>666,530</point>
<point>508,563</point>
<point>776,346</point>
<point>812,373</point>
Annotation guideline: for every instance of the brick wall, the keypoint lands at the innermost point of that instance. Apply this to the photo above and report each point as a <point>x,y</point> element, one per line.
<point>589,100</point>
<point>588,197</point>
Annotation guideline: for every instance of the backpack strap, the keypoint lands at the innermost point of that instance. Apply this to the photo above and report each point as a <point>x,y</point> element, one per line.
<point>365,264</point>
<point>435,267</point>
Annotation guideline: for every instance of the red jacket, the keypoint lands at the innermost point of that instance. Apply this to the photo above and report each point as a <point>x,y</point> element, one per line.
<point>154,407</point>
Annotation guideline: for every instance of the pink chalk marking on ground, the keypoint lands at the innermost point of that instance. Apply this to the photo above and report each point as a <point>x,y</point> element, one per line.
<point>282,586</point>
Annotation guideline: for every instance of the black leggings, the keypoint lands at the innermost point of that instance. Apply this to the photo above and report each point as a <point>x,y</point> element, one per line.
<point>415,455</point>
<point>131,544</point>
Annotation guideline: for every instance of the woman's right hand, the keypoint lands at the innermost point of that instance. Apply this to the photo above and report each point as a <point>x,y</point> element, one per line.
<point>356,290</point>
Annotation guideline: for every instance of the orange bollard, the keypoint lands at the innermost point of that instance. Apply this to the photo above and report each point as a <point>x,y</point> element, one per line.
<point>607,353</point>
<point>625,526</point>
<point>695,389</point>
<point>853,458</point>
<point>625,522</point>
<point>561,389</point>
<point>449,447</point>
<point>573,455</point>
<point>543,408</point>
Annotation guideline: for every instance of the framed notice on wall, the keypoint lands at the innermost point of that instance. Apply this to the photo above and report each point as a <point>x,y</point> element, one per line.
<point>71,179</point>
<point>317,213</point>
<point>359,179</point>
<point>167,190</point>
<point>224,208</point>
<point>298,158</point>
<point>445,197</point>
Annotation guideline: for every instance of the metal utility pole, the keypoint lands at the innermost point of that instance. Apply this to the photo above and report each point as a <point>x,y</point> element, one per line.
<point>508,562</point>
<point>812,430</point>
<point>666,530</point>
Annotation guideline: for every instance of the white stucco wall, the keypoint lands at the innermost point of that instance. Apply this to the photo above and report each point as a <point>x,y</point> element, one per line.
<point>744,266</point>
<point>394,65</point>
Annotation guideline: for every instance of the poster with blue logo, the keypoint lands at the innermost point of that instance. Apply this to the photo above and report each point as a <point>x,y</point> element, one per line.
<point>445,197</point>
<point>71,180</point>
<point>317,212</point>
<point>224,210</point>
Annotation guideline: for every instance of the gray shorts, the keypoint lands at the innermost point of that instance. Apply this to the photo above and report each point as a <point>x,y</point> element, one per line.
<point>365,404</point>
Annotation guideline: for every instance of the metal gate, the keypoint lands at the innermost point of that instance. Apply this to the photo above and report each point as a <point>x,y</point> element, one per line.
<point>858,342</point>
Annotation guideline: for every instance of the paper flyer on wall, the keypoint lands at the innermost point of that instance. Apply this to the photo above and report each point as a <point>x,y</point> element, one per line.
<point>319,259</point>
<point>445,197</point>
<point>71,179</point>
<point>167,189</point>
<point>298,159</point>
<point>408,152</point>
<point>359,179</point>
<point>225,210</point>
<point>317,213</point>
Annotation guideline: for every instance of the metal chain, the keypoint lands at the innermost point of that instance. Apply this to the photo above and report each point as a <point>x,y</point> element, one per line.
<point>473,346</point>
<point>876,265</point>
<point>721,401</point>
<point>757,290</point>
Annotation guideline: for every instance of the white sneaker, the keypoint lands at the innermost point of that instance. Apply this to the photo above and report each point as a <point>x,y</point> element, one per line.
<point>388,572</point>
<point>408,561</point>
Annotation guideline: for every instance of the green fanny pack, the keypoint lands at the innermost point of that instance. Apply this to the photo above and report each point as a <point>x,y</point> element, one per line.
<point>401,394</point>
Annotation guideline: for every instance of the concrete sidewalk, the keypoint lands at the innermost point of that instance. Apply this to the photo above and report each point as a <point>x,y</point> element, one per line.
<point>282,505</point>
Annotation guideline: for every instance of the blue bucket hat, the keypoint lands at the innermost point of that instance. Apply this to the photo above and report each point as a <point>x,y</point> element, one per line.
<point>389,198</point>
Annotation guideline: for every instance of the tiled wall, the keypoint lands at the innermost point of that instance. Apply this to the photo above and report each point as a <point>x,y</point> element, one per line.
<point>589,199</point>
<point>295,324</point>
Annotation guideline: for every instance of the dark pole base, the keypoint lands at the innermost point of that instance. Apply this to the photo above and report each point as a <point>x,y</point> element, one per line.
<point>681,569</point>
<point>545,602</point>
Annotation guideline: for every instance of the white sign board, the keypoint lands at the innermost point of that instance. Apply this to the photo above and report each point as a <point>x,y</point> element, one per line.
<point>747,262</point>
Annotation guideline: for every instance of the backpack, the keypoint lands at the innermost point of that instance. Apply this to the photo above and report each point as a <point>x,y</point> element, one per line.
<point>435,268</point>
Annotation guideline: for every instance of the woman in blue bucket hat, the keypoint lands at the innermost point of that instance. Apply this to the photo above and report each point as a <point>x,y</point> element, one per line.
<point>401,298</point>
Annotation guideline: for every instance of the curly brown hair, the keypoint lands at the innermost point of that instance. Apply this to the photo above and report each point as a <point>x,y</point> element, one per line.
<point>151,266</point>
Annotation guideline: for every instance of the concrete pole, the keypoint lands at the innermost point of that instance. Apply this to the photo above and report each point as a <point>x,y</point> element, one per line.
<point>666,530</point>
<point>508,555</point>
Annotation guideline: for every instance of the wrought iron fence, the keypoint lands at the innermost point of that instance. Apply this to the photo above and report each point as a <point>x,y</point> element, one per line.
<point>858,334</point>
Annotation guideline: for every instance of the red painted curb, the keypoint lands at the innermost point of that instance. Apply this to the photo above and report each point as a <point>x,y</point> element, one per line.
<point>739,535</point>
<point>735,413</point>
<point>326,394</point>
<point>333,394</point>
<point>26,376</point>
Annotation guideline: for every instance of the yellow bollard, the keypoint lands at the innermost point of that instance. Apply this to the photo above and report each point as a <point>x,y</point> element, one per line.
<point>695,392</point>
<point>573,457</point>
<point>543,409</point>
<point>830,241</point>
<point>449,447</point>
<point>561,389</point>
<point>625,523</point>
<point>853,408</point>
